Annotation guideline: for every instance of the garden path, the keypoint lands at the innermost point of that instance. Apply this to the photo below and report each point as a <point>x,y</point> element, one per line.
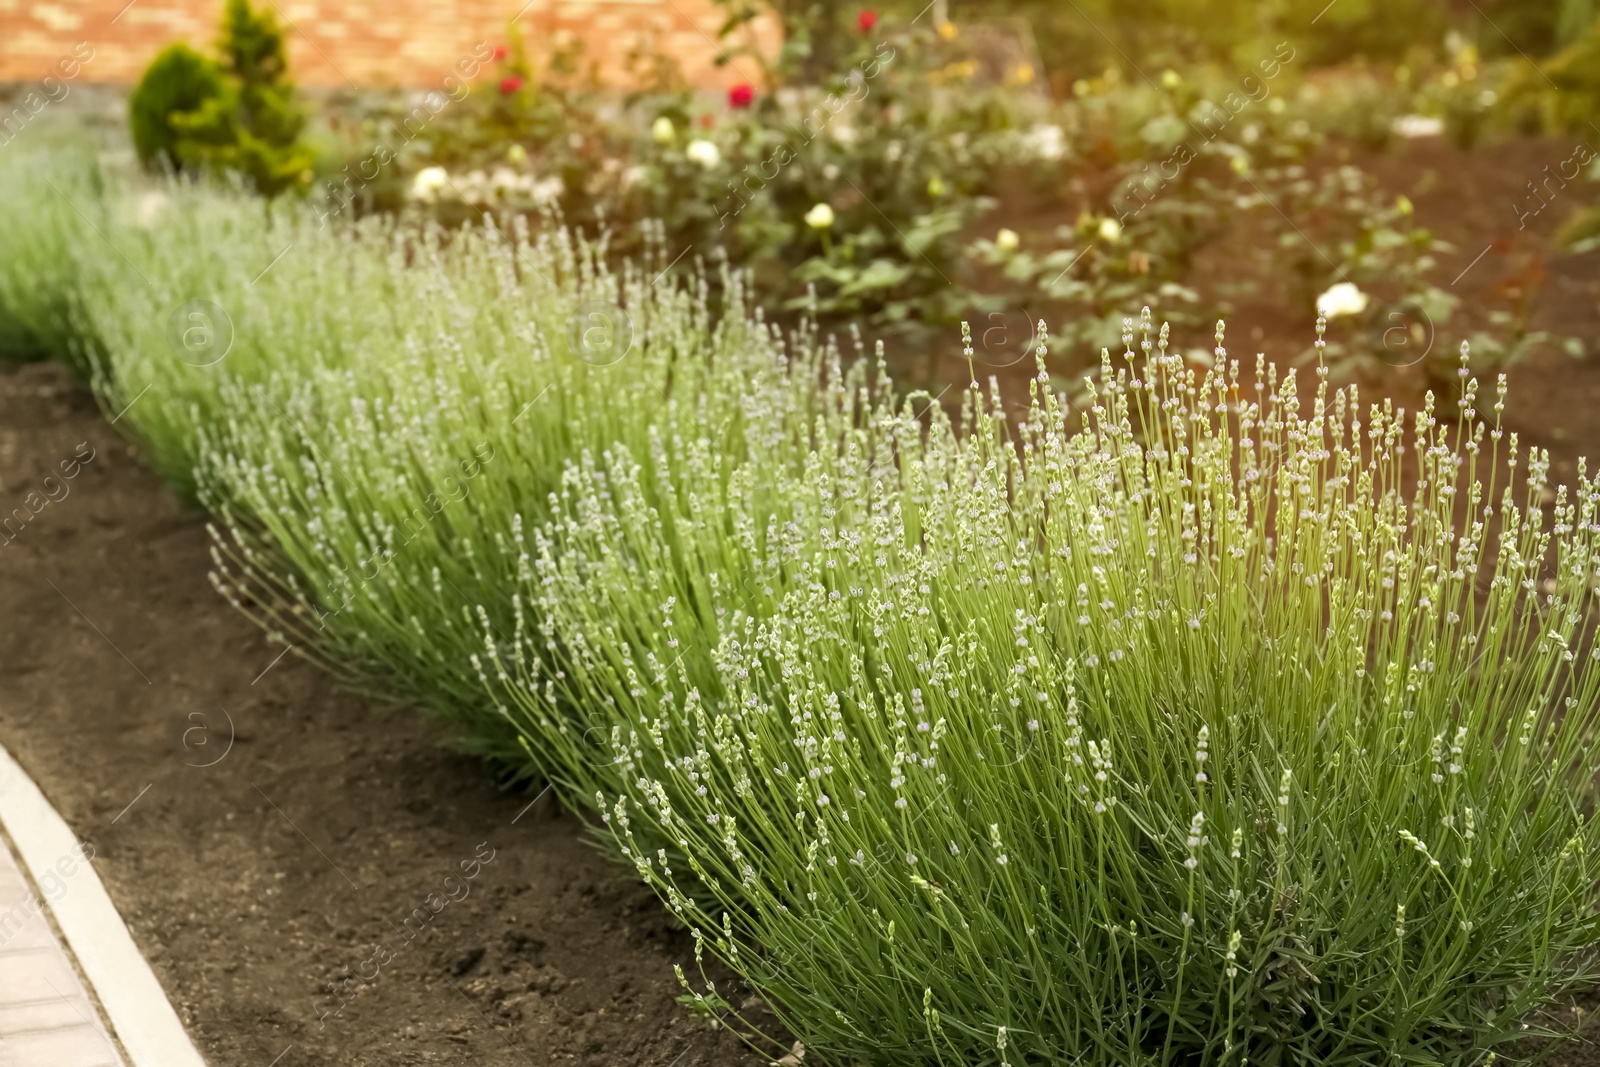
<point>46,1017</point>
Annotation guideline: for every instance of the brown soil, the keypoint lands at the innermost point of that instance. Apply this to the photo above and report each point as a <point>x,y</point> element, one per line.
<point>302,855</point>
<point>1469,199</point>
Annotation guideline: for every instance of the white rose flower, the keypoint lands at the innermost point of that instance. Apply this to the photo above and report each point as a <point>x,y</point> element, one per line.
<point>663,131</point>
<point>1110,230</point>
<point>1342,299</point>
<point>1415,126</point>
<point>473,187</point>
<point>547,190</point>
<point>820,217</point>
<point>1045,141</point>
<point>428,182</point>
<point>704,153</point>
<point>504,180</point>
<point>1007,240</point>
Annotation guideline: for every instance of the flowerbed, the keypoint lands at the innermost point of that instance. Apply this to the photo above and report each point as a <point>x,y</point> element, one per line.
<point>1178,726</point>
<point>856,174</point>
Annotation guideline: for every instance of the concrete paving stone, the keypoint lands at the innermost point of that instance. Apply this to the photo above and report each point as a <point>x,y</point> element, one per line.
<point>81,1046</point>
<point>46,1018</point>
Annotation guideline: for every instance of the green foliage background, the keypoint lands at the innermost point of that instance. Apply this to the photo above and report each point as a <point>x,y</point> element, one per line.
<point>241,114</point>
<point>1080,38</point>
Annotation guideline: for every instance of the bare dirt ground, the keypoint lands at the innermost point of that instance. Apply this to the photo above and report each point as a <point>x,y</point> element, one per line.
<point>1499,258</point>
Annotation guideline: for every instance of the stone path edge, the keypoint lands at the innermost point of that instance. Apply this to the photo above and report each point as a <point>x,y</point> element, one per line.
<point>120,977</point>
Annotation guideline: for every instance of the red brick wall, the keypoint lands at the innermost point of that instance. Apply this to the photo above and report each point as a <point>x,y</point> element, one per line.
<point>362,42</point>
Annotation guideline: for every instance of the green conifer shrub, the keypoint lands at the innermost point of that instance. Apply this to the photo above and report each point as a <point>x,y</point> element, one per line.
<point>238,116</point>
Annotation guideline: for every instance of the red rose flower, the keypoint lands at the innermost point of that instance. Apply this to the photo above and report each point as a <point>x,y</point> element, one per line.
<point>510,84</point>
<point>867,20</point>
<point>741,96</point>
<point>500,52</point>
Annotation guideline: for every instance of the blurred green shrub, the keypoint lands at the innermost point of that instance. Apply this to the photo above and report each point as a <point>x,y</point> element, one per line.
<point>1520,28</point>
<point>1082,38</point>
<point>180,81</point>
<point>241,115</point>
<point>1581,233</point>
<point>898,144</point>
<point>1560,95</point>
